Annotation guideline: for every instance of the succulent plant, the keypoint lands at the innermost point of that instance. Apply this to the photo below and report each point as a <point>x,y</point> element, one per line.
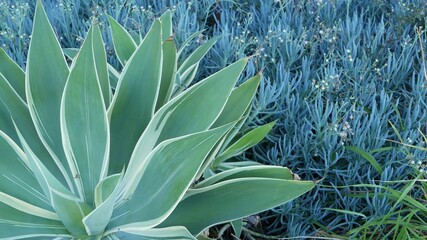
<point>88,152</point>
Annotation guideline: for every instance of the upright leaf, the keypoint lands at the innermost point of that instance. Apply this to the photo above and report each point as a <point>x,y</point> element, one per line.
<point>203,101</point>
<point>231,200</point>
<point>135,99</point>
<point>47,72</point>
<point>124,45</point>
<point>168,73</point>
<point>239,100</point>
<point>166,20</point>
<point>13,74</point>
<point>84,124</point>
<point>101,65</point>
<point>105,196</point>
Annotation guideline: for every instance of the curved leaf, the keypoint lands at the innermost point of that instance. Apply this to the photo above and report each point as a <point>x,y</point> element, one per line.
<point>44,83</point>
<point>250,171</point>
<point>203,101</point>
<point>176,232</point>
<point>231,200</point>
<point>165,176</point>
<point>124,45</point>
<point>248,140</point>
<point>239,100</point>
<point>13,74</point>
<point>168,73</point>
<point>135,99</point>
<point>106,191</point>
<point>28,226</point>
<point>166,20</point>
<point>101,65</point>
<point>16,179</point>
<point>84,125</point>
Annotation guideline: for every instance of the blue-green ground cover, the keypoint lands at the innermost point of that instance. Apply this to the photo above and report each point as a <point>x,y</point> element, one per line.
<point>336,73</point>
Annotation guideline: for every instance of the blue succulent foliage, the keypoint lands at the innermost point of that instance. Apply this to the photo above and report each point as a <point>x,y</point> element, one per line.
<point>336,73</point>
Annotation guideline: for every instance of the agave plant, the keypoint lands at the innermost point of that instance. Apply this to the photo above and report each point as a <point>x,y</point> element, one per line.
<point>88,152</point>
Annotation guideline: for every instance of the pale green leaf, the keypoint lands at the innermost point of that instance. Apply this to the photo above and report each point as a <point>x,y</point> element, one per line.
<point>84,123</point>
<point>183,80</point>
<point>113,74</point>
<point>13,109</point>
<point>101,65</point>
<point>106,193</point>
<point>16,224</point>
<point>168,73</point>
<point>165,176</point>
<point>203,101</point>
<point>106,187</point>
<point>166,20</point>
<point>135,99</point>
<point>71,212</point>
<point>124,45</point>
<point>248,140</point>
<point>175,232</point>
<point>16,179</point>
<point>69,208</point>
<point>249,171</point>
<point>187,41</point>
<point>231,200</point>
<point>237,227</point>
<point>239,101</point>
<point>198,54</point>
<point>13,74</point>
<point>46,74</point>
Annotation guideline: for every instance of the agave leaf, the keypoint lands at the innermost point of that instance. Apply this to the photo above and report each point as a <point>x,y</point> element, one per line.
<point>248,140</point>
<point>44,83</point>
<point>124,45</point>
<point>168,73</point>
<point>248,171</point>
<point>13,109</point>
<point>106,193</point>
<point>187,41</point>
<point>237,227</point>
<point>71,53</point>
<point>135,99</point>
<point>166,175</point>
<point>231,200</point>
<point>71,211</point>
<point>69,208</point>
<point>166,20</point>
<point>184,79</point>
<point>239,100</point>
<point>198,54</point>
<point>16,179</point>
<point>176,232</point>
<point>16,224</point>
<point>101,65</point>
<point>106,188</point>
<point>113,74</point>
<point>204,100</point>
<point>13,74</point>
<point>84,124</point>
